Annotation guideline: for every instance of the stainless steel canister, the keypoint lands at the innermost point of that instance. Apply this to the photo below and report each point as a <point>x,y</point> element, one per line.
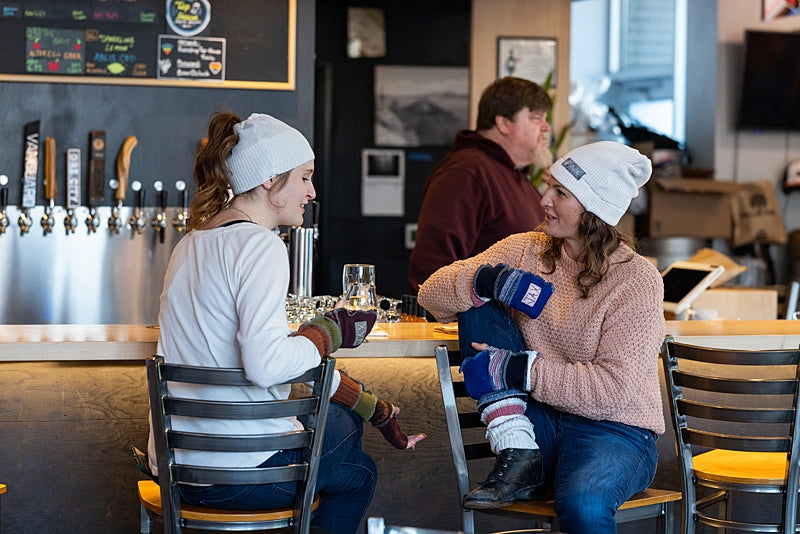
<point>301,254</point>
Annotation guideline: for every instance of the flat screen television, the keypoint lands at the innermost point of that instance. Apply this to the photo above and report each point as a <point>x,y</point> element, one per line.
<point>770,96</point>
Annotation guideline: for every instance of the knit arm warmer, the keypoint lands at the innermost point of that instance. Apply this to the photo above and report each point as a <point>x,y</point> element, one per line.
<point>323,333</point>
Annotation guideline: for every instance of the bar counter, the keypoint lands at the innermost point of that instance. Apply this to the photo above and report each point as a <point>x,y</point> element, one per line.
<point>74,397</point>
<point>75,342</point>
<point>414,339</point>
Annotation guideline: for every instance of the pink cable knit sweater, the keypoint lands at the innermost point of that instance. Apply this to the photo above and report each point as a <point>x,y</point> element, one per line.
<point>599,354</point>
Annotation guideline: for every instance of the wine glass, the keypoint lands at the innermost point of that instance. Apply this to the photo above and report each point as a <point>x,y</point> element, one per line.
<point>358,286</point>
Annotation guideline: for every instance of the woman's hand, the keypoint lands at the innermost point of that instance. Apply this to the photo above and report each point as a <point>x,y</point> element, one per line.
<point>354,325</point>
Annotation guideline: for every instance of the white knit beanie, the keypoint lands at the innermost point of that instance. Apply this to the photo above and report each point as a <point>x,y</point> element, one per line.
<point>604,176</point>
<point>267,147</point>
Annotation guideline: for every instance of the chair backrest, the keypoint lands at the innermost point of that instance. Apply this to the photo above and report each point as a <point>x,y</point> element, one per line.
<point>738,400</point>
<point>461,415</point>
<point>167,439</point>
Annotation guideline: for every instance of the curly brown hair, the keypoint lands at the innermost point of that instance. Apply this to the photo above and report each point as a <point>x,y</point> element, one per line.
<point>602,240</point>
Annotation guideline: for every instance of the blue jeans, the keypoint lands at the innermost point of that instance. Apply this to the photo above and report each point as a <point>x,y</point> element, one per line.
<point>592,466</point>
<point>346,479</point>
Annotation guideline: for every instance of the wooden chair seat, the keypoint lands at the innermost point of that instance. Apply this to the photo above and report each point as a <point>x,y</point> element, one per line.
<point>649,497</point>
<point>150,498</point>
<point>738,467</point>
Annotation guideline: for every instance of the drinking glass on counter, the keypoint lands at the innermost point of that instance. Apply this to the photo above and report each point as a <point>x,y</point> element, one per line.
<point>358,286</point>
<point>300,308</point>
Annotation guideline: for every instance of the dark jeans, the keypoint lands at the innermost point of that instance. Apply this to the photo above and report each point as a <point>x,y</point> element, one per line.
<point>490,324</point>
<point>593,466</point>
<point>346,479</point>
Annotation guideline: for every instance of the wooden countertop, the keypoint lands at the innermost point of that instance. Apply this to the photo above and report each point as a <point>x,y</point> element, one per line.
<point>136,342</point>
<point>79,342</point>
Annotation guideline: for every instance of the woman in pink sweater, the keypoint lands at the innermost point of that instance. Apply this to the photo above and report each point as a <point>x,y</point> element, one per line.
<point>581,370</point>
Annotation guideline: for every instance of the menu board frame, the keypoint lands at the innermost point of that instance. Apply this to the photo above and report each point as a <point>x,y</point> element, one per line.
<point>287,83</point>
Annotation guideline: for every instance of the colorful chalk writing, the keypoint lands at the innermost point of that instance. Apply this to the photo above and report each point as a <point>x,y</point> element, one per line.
<point>114,54</point>
<point>150,42</point>
<point>54,51</point>
<point>191,58</point>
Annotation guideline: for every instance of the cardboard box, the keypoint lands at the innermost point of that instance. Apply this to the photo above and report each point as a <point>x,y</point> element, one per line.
<point>740,303</point>
<point>689,207</point>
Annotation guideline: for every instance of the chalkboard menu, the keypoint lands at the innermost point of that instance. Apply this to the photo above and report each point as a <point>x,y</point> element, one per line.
<point>247,44</point>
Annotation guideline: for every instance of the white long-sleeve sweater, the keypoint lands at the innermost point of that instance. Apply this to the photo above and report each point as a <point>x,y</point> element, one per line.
<point>224,305</point>
<point>600,354</point>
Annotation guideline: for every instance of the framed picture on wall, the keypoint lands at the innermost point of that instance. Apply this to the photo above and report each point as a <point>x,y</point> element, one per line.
<point>420,105</point>
<point>366,32</point>
<point>532,58</point>
<point>772,9</point>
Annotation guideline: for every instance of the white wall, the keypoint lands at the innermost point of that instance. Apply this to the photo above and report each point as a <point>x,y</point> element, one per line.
<point>588,57</point>
<point>749,156</point>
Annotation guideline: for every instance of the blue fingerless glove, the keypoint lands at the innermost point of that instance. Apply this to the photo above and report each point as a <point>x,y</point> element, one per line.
<point>521,290</point>
<point>496,369</point>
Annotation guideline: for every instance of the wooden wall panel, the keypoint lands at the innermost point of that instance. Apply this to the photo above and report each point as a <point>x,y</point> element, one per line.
<point>518,18</point>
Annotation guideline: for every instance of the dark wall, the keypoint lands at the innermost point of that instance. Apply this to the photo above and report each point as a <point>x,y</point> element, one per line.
<point>417,33</point>
<point>167,121</point>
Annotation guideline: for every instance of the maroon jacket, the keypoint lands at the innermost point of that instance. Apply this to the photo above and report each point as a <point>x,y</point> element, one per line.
<point>473,198</point>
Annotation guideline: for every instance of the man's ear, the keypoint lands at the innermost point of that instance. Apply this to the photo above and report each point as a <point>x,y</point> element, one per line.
<point>501,123</point>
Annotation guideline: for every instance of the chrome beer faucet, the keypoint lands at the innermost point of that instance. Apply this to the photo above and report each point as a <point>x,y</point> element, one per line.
<point>136,221</point>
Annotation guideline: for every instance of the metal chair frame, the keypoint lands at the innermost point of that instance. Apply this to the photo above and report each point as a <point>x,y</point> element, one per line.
<point>460,416</point>
<point>163,406</point>
<point>721,412</point>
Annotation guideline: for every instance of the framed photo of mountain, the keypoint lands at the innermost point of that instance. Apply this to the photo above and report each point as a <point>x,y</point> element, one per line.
<point>420,106</point>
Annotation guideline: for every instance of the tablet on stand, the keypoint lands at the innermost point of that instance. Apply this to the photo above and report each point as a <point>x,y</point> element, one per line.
<point>683,283</point>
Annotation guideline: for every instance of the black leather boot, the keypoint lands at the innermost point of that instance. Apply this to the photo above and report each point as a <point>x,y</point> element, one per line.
<point>517,474</point>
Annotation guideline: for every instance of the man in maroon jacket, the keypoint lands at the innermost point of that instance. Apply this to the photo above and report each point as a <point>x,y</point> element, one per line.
<point>480,192</point>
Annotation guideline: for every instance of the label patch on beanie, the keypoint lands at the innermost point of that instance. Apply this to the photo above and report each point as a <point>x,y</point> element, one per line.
<point>573,168</point>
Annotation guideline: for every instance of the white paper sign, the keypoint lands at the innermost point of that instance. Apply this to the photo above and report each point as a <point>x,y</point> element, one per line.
<point>383,178</point>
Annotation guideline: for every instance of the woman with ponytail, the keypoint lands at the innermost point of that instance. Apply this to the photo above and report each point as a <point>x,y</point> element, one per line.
<point>223,304</point>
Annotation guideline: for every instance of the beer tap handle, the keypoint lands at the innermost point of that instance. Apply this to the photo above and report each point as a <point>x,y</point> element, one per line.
<point>124,167</point>
<point>123,173</point>
<point>114,221</point>
<point>73,189</point>
<point>50,185</point>
<point>3,203</point>
<point>136,220</point>
<point>96,177</point>
<point>159,220</point>
<point>29,175</point>
<point>3,193</point>
<point>181,214</point>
